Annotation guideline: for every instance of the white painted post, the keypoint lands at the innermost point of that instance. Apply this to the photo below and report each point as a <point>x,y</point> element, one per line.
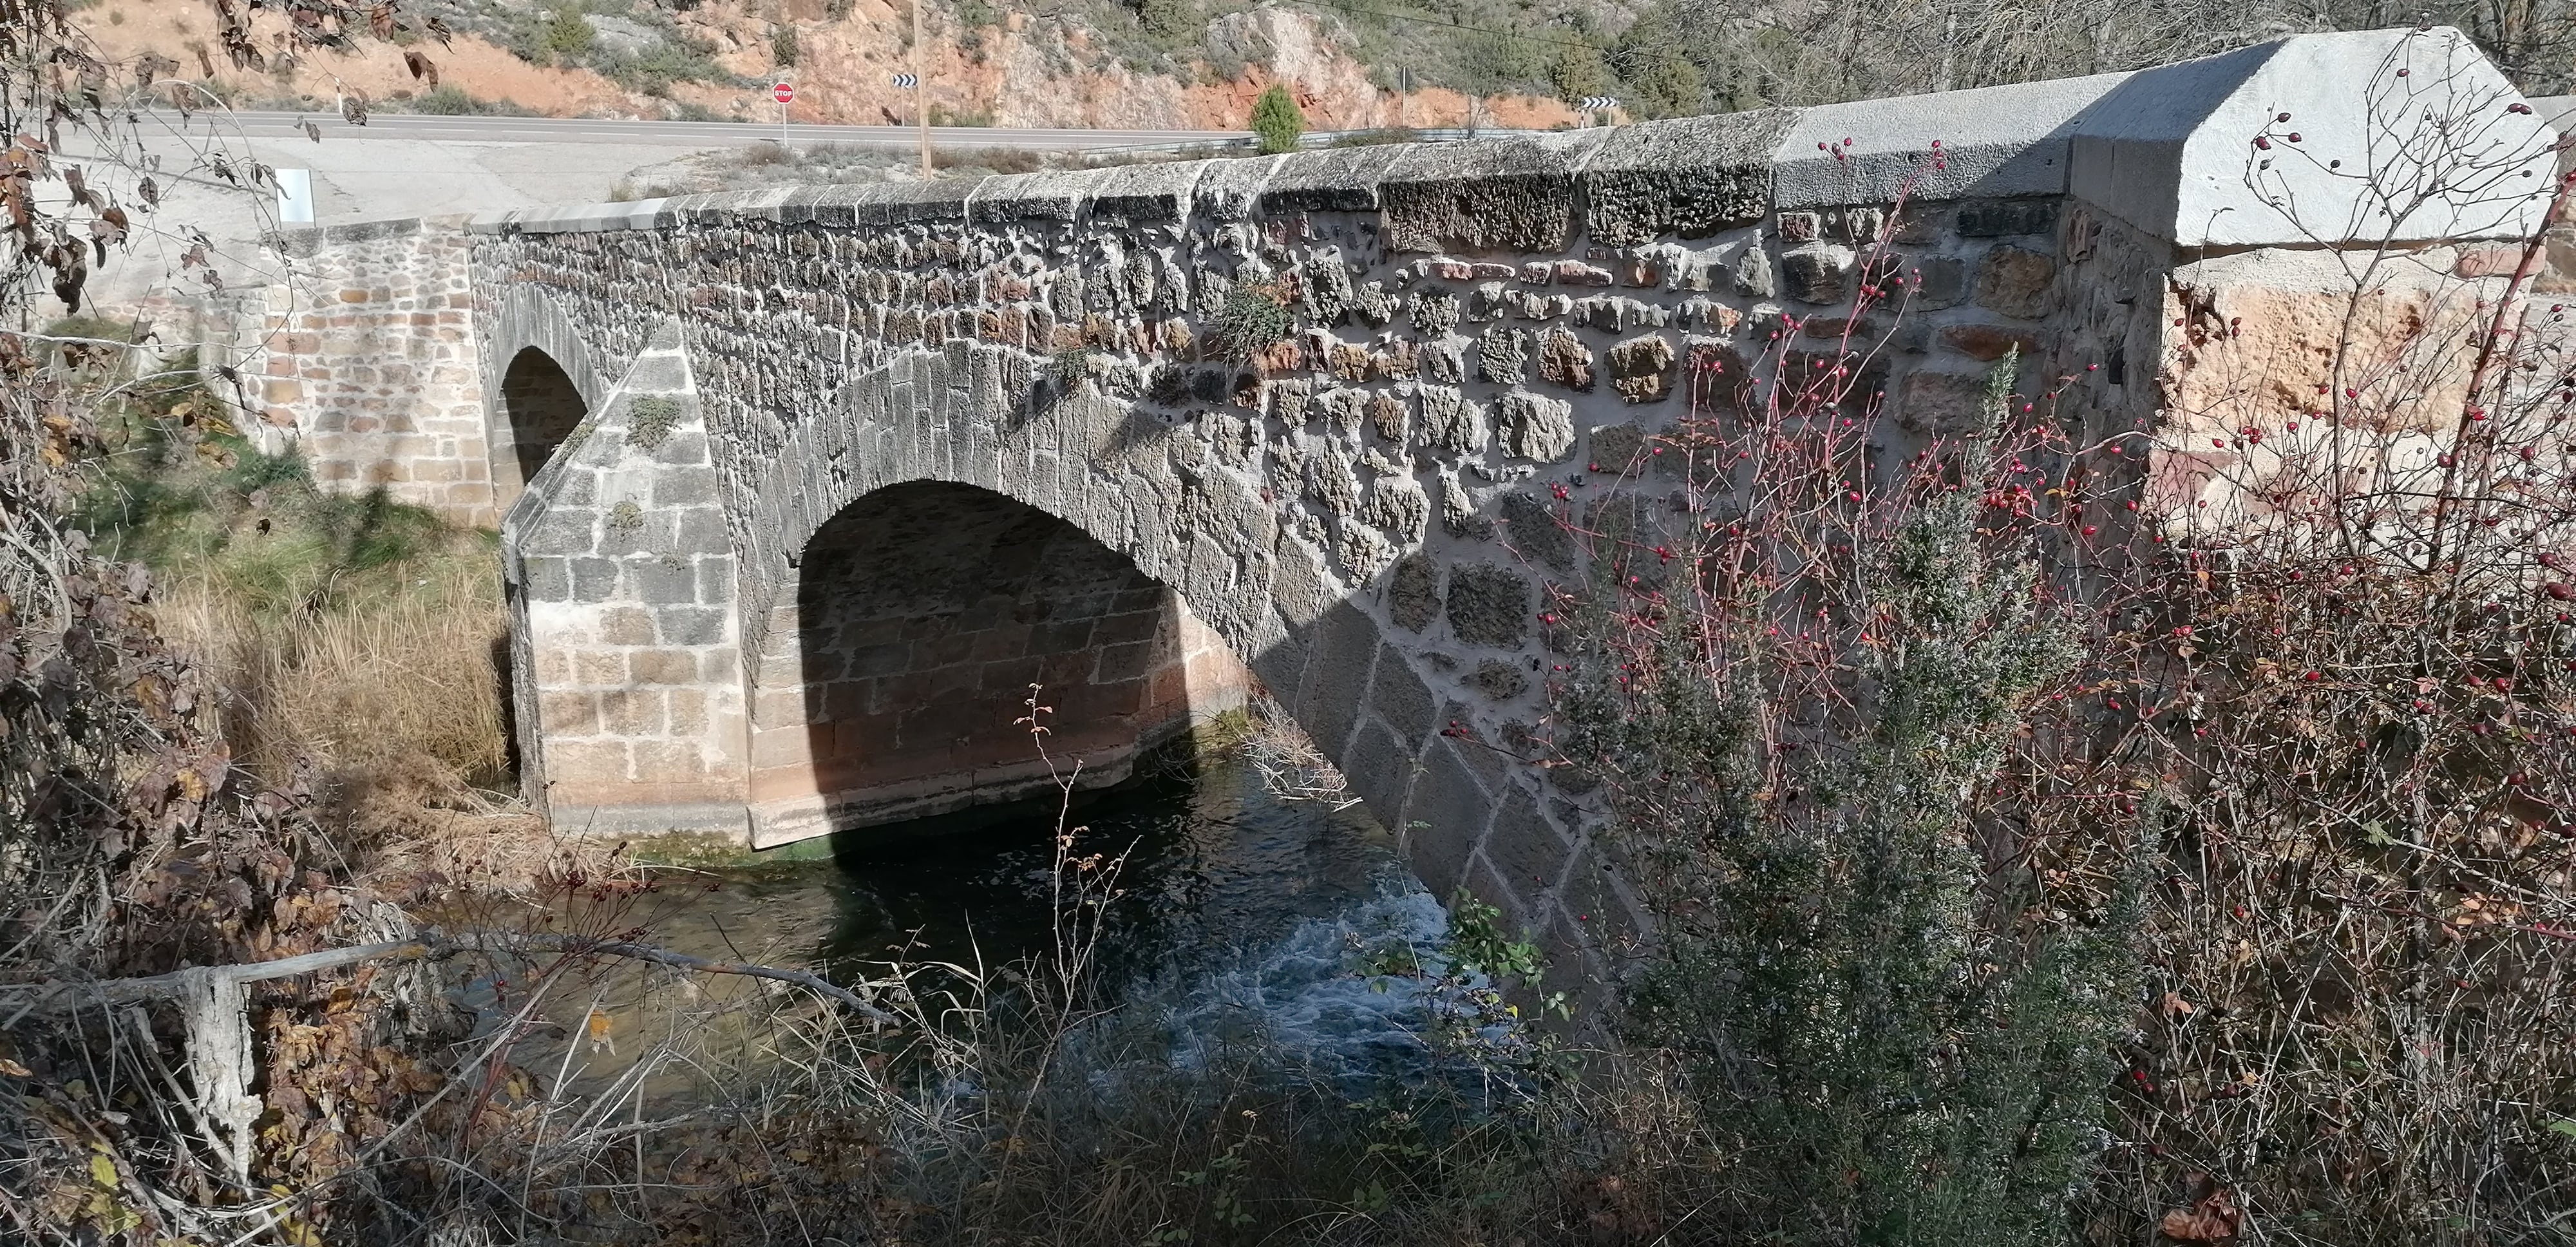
<point>295,196</point>
<point>921,89</point>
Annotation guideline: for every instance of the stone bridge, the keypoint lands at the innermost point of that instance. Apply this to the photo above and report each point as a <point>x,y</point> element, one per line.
<point>802,490</point>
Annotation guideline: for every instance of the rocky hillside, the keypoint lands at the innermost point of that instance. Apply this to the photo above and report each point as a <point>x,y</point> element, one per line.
<point>1162,64</point>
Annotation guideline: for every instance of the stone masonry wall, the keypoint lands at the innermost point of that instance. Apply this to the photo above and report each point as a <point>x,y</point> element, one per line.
<point>371,366</point>
<point>1368,512</point>
<point>1468,349</point>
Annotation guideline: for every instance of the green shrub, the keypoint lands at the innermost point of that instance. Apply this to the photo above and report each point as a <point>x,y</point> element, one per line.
<point>1577,72</point>
<point>1896,1055</point>
<point>1488,63</point>
<point>656,69</point>
<point>782,45</point>
<point>567,36</point>
<point>1169,21</point>
<point>450,100</point>
<point>965,118</point>
<point>1278,121</point>
<point>1660,81</point>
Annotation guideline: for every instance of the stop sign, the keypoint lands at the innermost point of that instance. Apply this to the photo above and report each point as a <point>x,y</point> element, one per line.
<point>783,93</point>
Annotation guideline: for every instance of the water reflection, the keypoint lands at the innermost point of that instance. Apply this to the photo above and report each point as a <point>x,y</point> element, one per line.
<point>1211,862</point>
<point>1236,910</point>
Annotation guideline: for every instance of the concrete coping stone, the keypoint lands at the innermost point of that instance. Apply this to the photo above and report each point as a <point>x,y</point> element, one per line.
<point>1046,195</point>
<point>1147,194</point>
<point>1547,156</point>
<point>1228,190</point>
<point>1996,142</point>
<point>1330,179</point>
<point>2165,149</point>
<point>884,203</point>
<point>1692,177</point>
<point>303,241</point>
<point>762,204</point>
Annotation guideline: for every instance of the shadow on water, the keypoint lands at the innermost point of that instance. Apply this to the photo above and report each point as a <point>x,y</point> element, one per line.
<point>1231,901</point>
<point>1208,860</point>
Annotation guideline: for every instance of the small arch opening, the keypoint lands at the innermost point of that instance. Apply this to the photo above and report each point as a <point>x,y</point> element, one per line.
<point>542,405</point>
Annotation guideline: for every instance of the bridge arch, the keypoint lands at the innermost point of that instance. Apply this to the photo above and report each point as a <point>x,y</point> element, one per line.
<point>967,424</point>
<point>894,678</point>
<point>541,406</point>
<point>713,654</point>
<point>539,386</point>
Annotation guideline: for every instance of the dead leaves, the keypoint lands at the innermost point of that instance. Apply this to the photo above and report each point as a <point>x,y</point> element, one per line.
<point>422,68</point>
<point>70,263</point>
<point>2212,1218</point>
<point>150,67</point>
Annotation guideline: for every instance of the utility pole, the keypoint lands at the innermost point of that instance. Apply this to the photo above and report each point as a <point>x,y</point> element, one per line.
<point>921,80</point>
<point>1403,86</point>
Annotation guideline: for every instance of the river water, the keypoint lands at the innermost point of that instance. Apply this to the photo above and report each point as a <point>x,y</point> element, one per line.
<point>1235,915</point>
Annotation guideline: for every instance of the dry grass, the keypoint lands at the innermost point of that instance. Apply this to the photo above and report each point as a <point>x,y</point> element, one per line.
<point>1291,767</point>
<point>394,703</point>
<point>412,829</point>
<point>411,674</point>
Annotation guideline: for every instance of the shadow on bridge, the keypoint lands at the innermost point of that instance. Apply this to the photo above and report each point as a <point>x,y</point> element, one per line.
<point>897,683</point>
<point>542,405</point>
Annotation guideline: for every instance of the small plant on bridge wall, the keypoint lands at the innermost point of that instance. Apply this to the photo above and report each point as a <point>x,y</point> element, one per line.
<point>1252,317</point>
<point>1066,370</point>
<point>650,421</point>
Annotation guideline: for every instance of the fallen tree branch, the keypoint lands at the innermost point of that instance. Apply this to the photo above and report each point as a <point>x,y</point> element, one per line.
<point>577,945</point>
<point>56,995</point>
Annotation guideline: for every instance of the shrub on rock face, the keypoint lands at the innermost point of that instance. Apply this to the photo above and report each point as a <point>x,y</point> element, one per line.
<point>1278,121</point>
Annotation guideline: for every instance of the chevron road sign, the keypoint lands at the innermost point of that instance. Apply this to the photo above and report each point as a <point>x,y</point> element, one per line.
<point>907,81</point>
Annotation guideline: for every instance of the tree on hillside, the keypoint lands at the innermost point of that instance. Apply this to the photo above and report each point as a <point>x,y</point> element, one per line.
<point>1660,81</point>
<point>1278,121</point>
<point>1578,72</point>
<point>1172,21</point>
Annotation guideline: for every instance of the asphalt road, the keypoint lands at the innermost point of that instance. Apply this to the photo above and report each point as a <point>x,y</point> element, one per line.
<point>406,165</point>
<point>699,134</point>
